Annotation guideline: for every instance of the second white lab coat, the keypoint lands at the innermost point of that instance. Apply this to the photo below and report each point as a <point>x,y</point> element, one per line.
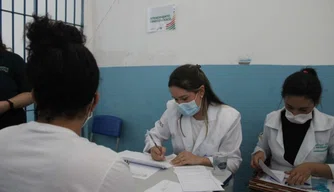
<point>317,144</point>
<point>224,133</point>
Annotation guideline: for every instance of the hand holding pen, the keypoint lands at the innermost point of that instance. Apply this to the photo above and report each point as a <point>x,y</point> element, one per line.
<point>157,152</point>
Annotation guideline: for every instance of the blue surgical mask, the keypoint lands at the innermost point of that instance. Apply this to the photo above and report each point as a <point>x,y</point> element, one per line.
<point>188,109</point>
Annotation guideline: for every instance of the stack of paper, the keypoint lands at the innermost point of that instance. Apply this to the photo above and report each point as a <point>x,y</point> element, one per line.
<point>197,178</point>
<point>277,176</point>
<point>280,177</point>
<point>146,159</point>
<point>166,186</point>
<point>142,171</point>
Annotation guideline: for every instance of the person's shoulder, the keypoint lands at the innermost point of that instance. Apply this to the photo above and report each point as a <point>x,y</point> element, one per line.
<point>171,108</point>
<point>274,114</point>
<point>14,59</point>
<point>171,104</point>
<point>323,118</point>
<point>11,55</point>
<point>12,130</point>
<point>224,114</point>
<point>227,111</point>
<point>97,152</point>
<point>324,115</point>
<point>98,156</point>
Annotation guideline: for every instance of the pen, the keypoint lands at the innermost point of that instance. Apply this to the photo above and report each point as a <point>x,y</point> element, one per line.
<point>148,132</point>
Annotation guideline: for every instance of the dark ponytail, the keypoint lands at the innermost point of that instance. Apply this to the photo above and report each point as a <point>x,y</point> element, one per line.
<point>63,73</point>
<point>303,83</point>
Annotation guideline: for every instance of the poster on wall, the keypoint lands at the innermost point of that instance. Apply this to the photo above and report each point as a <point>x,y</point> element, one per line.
<point>161,18</point>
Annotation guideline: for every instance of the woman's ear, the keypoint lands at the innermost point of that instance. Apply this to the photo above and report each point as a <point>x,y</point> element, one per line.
<point>95,100</point>
<point>202,91</point>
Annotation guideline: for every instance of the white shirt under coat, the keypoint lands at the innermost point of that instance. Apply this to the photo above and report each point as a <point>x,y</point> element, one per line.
<point>43,157</point>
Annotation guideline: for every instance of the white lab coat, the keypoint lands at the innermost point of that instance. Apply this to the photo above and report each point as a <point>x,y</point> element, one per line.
<point>318,141</point>
<point>224,133</point>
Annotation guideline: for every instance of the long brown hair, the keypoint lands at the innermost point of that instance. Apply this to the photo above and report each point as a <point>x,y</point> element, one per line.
<point>191,78</point>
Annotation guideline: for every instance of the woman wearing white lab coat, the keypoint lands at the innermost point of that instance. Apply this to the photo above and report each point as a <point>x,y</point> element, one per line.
<point>298,137</point>
<point>198,123</point>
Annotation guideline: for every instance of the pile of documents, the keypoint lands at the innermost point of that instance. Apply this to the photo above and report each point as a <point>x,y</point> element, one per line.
<point>191,178</point>
<point>276,180</point>
<point>146,159</point>
<point>197,178</point>
<point>166,186</point>
<point>142,166</point>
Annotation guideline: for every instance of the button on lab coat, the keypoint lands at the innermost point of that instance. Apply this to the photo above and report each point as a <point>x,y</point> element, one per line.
<point>224,133</point>
<point>318,141</point>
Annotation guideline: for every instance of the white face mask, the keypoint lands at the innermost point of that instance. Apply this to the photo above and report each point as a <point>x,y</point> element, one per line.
<point>89,116</point>
<point>298,119</point>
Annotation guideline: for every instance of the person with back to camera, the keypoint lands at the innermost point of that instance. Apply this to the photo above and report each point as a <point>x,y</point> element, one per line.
<point>49,155</point>
<point>197,121</point>
<point>299,136</point>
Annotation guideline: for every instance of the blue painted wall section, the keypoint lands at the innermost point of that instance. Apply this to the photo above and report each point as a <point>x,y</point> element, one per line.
<point>138,95</point>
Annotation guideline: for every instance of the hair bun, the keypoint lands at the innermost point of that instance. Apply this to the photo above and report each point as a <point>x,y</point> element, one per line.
<point>43,32</point>
<point>309,70</point>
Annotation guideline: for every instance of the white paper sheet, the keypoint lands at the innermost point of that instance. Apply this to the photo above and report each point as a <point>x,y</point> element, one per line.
<point>146,159</point>
<point>142,171</point>
<point>278,176</point>
<point>307,186</point>
<point>197,178</point>
<point>165,186</point>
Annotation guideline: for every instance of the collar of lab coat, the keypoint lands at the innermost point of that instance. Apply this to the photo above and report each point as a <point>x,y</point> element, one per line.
<point>319,123</point>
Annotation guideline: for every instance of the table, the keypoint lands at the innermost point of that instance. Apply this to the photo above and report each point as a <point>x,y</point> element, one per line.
<point>167,174</point>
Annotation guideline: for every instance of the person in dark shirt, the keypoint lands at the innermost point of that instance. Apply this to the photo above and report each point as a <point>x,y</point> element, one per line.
<point>298,138</point>
<point>14,89</point>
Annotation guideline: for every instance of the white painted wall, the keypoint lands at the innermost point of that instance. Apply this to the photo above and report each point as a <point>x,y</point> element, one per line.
<point>215,32</point>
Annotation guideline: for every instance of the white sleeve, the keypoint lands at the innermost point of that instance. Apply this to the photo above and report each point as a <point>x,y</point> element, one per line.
<point>118,179</point>
<point>262,144</point>
<point>231,146</point>
<point>160,132</point>
<point>331,151</point>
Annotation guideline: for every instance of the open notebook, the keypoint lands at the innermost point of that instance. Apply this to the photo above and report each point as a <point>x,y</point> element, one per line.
<point>146,159</point>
